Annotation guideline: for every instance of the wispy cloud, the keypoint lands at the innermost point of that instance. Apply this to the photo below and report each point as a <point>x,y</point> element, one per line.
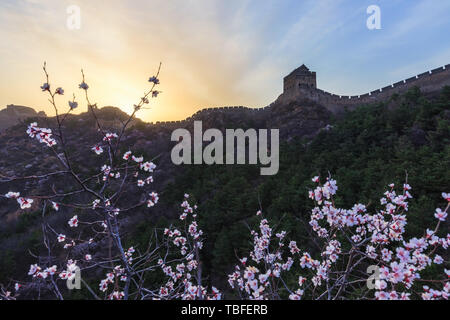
<point>213,52</point>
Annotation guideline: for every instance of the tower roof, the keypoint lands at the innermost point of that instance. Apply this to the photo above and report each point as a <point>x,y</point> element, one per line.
<point>302,70</point>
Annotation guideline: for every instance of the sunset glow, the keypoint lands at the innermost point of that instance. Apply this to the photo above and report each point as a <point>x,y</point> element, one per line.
<point>213,53</point>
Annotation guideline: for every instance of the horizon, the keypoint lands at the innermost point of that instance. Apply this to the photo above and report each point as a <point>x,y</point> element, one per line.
<point>239,150</point>
<point>212,55</point>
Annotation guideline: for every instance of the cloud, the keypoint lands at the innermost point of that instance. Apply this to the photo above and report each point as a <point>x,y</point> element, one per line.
<point>423,14</point>
<point>213,52</point>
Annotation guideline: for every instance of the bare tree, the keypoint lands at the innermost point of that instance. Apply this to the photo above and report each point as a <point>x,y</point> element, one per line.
<point>105,196</point>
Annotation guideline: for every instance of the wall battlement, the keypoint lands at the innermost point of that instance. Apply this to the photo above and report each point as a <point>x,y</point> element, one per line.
<point>209,111</point>
<point>430,81</point>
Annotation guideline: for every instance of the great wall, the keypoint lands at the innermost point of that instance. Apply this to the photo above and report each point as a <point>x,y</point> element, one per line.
<point>301,85</point>
<point>208,111</point>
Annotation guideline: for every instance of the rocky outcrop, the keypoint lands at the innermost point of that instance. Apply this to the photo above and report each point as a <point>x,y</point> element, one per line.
<point>13,114</point>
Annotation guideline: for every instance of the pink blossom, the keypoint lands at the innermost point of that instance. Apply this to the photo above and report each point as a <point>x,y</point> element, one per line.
<point>73,222</point>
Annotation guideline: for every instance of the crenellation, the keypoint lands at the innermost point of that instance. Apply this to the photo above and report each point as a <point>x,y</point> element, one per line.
<point>425,74</point>
<point>411,79</point>
<point>398,84</point>
<point>438,70</point>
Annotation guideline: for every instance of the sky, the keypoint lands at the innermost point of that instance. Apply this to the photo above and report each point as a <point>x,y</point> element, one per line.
<point>213,52</point>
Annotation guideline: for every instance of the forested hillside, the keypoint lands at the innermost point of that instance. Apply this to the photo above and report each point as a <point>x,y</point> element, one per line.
<point>406,137</point>
<point>403,139</point>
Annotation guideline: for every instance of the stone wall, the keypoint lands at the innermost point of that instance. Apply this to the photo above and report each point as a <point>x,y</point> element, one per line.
<point>291,82</point>
<point>208,112</point>
<point>430,81</point>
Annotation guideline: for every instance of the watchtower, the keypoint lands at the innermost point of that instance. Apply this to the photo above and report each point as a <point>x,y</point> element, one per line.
<point>300,77</point>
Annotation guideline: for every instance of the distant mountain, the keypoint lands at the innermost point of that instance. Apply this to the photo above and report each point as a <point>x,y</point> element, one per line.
<point>13,114</point>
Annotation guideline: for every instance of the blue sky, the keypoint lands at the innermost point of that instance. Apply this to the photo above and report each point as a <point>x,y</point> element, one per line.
<point>214,53</point>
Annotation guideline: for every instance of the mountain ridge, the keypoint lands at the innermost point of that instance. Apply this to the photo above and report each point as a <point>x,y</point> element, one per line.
<point>13,114</point>
<point>299,86</point>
